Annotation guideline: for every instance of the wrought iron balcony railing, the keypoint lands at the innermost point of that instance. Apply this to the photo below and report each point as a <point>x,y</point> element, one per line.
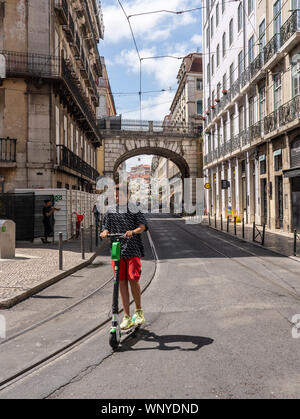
<point>245,137</point>
<point>255,131</point>
<point>290,27</point>
<point>65,157</point>
<point>289,111</point>
<point>228,147</point>
<point>235,143</point>
<point>35,65</point>
<point>8,150</point>
<point>235,88</point>
<point>285,114</point>
<point>272,47</point>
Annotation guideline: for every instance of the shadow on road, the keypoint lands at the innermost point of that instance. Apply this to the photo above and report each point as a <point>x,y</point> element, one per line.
<point>164,342</point>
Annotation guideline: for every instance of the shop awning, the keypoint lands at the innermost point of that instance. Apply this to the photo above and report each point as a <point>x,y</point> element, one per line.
<point>292,172</point>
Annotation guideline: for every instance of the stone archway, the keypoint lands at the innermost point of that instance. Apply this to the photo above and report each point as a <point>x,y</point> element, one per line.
<point>181,150</point>
<point>162,152</point>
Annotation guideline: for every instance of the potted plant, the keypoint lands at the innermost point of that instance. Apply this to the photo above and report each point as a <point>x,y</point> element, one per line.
<point>217,100</point>
<point>224,91</point>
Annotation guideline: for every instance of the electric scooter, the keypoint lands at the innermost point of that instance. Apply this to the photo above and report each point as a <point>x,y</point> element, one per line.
<point>115,331</point>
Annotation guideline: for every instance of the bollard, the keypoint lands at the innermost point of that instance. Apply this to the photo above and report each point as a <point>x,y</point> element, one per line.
<point>221,222</point>
<point>82,244</point>
<point>60,251</point>
<point>215,220</point>
<point>243,228</point>
<point>253,232</point>
<point>263,235</point>
<point>228,220</point>
<point>235,226</point>
<point>209,222</point>
<point>91,238</point>
<point>295,242</point>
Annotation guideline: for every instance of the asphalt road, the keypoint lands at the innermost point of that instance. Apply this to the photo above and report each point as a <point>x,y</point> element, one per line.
<point>218,326</point>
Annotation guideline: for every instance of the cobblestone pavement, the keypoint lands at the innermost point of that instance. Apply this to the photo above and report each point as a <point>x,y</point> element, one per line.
<point>36,263</point>
<point>280,242</point>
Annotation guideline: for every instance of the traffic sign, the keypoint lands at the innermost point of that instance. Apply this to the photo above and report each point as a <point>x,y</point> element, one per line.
<point>207,186</point>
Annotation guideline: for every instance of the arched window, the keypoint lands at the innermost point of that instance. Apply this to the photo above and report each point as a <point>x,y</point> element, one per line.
<point>295,153</point>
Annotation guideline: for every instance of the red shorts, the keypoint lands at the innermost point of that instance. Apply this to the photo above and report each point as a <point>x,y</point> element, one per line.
<point>129,268</point>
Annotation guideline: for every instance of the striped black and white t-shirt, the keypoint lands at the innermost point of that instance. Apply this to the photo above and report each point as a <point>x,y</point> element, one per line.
<point>119,219</point>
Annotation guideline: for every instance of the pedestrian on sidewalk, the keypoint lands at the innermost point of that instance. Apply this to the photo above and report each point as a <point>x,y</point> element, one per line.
<point>126,218</point>
<point>48,211</point>
<point>79,219</point>
<point>96,214</point>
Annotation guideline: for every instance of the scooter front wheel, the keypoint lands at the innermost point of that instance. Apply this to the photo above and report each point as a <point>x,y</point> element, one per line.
<point>113,340</point>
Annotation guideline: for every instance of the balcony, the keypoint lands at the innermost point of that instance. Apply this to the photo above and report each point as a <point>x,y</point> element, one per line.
<point>289,28</point>
<point>8,150</point>
<point>34,65</point>
<point>66,158</point>
<point>62,10</point>
<point>245,137</point>
<point>235,143</point>
<point>271,48</point>
<point>58,70</point>
<point>70,29</point>
<point>285,114</point>
<point>255,131</point>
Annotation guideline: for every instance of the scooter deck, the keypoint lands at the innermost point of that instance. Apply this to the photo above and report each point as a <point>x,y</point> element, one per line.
<point>131,330</point>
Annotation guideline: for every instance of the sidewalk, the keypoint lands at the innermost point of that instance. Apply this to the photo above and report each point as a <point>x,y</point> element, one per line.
<point>36,264</point>
<point>280,242</point>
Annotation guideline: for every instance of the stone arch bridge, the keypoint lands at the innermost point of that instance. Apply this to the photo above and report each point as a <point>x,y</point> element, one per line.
<point>182,144</point>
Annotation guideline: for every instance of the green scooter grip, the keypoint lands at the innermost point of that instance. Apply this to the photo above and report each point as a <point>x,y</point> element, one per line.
<point>116,251</point>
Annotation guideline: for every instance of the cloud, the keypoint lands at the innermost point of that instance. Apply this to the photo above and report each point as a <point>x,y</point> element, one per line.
<point>149,27</point>
<point>163,70</point>
<point>197,40</point>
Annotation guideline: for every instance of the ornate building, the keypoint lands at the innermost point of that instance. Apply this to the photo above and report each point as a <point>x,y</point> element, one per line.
<point>48,94</point>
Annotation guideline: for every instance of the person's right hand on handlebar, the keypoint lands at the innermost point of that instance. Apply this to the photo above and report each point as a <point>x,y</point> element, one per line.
<point>104,234</point>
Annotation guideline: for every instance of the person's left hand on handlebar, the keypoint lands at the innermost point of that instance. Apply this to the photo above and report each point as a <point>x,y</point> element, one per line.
<point>129,234</point>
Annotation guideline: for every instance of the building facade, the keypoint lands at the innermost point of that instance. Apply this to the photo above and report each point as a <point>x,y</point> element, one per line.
<point>252,109</point>
<point>106,108</point>
<point>187,105</point>
<point>50,67</point>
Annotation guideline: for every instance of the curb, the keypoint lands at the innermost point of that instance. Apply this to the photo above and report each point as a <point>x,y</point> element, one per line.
<point>6,304</point>
<point>295,258</point>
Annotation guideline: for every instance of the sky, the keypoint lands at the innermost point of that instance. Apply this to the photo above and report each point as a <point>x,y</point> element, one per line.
<point>156,34</point>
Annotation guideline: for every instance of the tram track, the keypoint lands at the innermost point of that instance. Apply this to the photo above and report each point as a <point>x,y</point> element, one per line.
<point>253,271</point>
<point>10,380</point>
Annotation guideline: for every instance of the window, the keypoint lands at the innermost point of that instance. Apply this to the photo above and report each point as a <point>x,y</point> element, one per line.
<point>262,164</point>
<point>199,84</point>
<point>250,6</point>
<point>278,160</point>
<point>212,27</point>
<point>217,14</point>
<point>262,103</point>
<point>277,17</point>
<point>231,73</point>
<point>224,44</point>
<point>240,17</point>
<point>218,55</point>
<point>207,37</point>
<point>277,91</point>
<point>224,132</point>
<point>231,32</point>
<point>231,125</point>
<point>241,118</point>
<point>241,63</point>
<point>251,49</point>
<point>262,35</point>
<point>295,76</point>
<point>251,111</point>
<point>212,65</point>
<point>199,107</point>
<point>223,6</point>
<point>59,185</point>
<point>208,73</point>
<point>66,131</point>
<point>224,81</point>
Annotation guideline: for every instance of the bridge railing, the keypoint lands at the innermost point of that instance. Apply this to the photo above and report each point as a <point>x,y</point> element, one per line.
<point>120,124</point>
